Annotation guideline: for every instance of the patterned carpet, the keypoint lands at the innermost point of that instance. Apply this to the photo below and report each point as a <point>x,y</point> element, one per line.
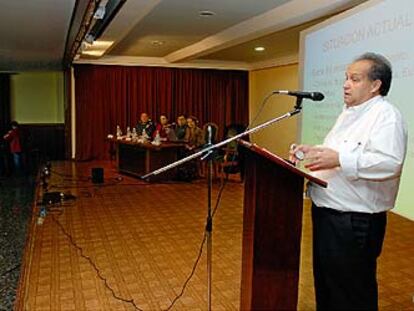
<point>142,241</point>
<point>16,201</point>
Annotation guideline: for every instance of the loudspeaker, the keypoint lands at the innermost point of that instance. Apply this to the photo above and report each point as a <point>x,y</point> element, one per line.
<point>97,175</point>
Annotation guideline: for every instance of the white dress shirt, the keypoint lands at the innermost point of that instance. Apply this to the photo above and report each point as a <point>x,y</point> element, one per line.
<point>371,140</point>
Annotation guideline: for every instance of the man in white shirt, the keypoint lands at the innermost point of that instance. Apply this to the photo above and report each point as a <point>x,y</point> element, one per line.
<point>361,159</point>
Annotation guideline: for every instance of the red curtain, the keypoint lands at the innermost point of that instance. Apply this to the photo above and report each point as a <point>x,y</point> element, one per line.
<point>107,96</point>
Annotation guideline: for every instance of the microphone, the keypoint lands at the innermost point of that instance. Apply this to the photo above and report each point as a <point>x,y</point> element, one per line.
<point>210,134</point>
<point>316,96</point>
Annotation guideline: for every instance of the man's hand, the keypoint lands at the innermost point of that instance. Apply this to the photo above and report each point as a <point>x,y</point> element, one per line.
<point>321,158</point>
<point>296,150</point>
<point>317,158</point>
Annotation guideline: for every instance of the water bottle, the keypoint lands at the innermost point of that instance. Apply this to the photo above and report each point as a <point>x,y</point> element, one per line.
<point>42,212</point>
<point>42,215</point>
<point>118,131</point>
<point>157,139</point>
<point>144,135</point>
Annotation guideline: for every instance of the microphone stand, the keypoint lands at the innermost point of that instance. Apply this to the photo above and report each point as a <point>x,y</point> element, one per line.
<point>209,223</point>
<point>222,143</point>
<point>206,153</point>
<point>298,105</point>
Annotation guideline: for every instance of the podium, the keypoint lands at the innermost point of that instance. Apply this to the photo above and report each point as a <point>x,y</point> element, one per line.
<point>272,225</point>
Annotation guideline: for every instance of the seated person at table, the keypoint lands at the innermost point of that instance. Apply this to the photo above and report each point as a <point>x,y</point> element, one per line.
<point>181,128</point>
<point>194,135</point>
<point>194,139</point>
<point>145,126</point>
<point>163,127</point>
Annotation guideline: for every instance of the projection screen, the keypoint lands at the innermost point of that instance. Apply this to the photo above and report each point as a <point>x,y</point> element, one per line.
<point>385,27</point>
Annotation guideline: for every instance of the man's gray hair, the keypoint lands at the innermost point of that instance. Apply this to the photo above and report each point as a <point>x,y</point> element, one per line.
<point>380,70</point>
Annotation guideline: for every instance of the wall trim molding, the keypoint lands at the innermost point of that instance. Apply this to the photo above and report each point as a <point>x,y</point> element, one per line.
<point>199,64</point>
<point>162,62</point>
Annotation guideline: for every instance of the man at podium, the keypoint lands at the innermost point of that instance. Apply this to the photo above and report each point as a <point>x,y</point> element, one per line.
<point>361,159</point>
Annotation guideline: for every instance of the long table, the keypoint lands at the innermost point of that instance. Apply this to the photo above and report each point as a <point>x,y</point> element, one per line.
<point>138,159</point>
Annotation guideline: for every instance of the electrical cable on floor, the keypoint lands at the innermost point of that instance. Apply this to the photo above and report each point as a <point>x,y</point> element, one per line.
<point>10,270</point>
<point>200,252</point>
<point>105,281</point>
<point>98,272</point>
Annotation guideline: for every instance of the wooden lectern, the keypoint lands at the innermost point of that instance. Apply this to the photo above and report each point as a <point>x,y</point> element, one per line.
<point>273,203</point>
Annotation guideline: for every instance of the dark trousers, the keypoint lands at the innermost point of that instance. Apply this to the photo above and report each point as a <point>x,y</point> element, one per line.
<point>346,246</point>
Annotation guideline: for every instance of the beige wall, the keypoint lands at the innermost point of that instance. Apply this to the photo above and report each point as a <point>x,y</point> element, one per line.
<point>37,97</point>
<point>278,137</point>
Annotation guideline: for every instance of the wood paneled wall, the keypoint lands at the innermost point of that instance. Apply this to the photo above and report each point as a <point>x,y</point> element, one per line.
<point>48,140</point>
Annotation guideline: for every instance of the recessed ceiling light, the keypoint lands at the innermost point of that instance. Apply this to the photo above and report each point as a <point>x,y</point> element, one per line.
<point>97,49</point>
<point>259,48</point>
<point>93,53</point>
<point>206,13</point>
<point>157,42</point>
<point>102,44</point>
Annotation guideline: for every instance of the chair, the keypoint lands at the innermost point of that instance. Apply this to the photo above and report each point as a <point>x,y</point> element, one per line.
<point>216,157</point>
<point>214,132</point>
<point>232,161</point>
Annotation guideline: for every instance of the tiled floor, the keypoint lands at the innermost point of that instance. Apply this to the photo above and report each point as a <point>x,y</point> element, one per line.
<point>144,239</point>
<point>395,266</point>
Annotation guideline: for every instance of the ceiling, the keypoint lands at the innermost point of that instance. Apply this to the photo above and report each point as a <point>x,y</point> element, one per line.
<point>33,33</point>
<point>177,23</point>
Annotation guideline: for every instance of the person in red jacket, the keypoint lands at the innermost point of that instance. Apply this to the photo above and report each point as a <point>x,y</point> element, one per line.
<point>14,138</point>
<point>162,128</point>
